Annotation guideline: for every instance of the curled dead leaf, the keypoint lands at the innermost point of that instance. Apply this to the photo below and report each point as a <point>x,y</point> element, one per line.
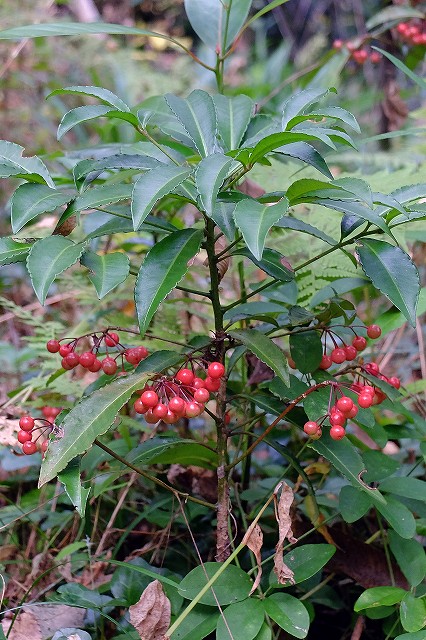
<point>66,227</point>
<point>24,627</point>
<point>282,514</point>
<point>8,431</point>
<point>150,616</point>
<point>254,540</point>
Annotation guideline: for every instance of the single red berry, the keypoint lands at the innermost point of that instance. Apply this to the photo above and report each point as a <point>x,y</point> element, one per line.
<point>29,448</point>
<point>372,368</point>
<point>352,413</point>
<point>65,349</point>
<point>359,342</point>
<point>395,382</point>
<point>170,417</point>
<point>201,395</point>
<point>326,362</point>
<point>378,397</point>
<point>360,56</point>
<point>185,376</point>
<point>159,411</point>
<point>65,364</point>
<point>109,366</point>
<point>139,406</point>
<point>87,359</point>
<point>344,404</point>
<point>368,389</point>
<point>55,411</point>
<point>112,339</point>
<point>72,359</point>
<point>338,355</point>
<point>150,417</point>
<point>337,432</point>
<point>198,383</point>
<point>96,366</point>
<point>132,356</point>
<point>24,436</point>
<point>215,370</point>
<point>149,398</point>
<point>26,423</point>
<point>317,435</point>
<point>227,417</point>
<point>311,428</point>
<point>44,446</point>
<point>142,352</point>
<point>177,405</point>
<point>402,28</point>
<point>337,418</point>
<point>365,400</point>
<point>212,384</point>
<point>193,409</point>
<point>47,411</point>
<point>53,346</point>
<point>351,352</point>
<point>374,331</point>
<point>375,57</point>
<point>337,44</point>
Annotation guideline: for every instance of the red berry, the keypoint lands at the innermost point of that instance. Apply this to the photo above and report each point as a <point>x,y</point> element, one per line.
<point>109,366</point>
<point>24,436</point>
<point>337,418</point>
<point>360,56</point>
<point>317,435</point>
<point>149,398</point>
<point>227,417</point>
<point>402,28</point>
<point>198,383</point>
<point>47,411</point>
<point>212,384</point>
<point>365,400</point>
<point>177,405</point>
<point>29,448</point>
<point>368,389</point>
<point>338,355</point>
<point>378,397</point>
<point>375,57</point>
<point>359,342</point>
<point>326,362</point>
<point>26,423</point>
<point>72,359</point>
<point>64,350</point>
<point>337,44</point>
<point>337,432</point>
<point>372,368</point>
<point>311,428</point>
<point>112,339</point>
<point>150,417</point>
<point>395,382</point>
<point>193,409</point>
<point>87,359</point>
<point>185,376</point>
<point>374,331</point>
<point>351,352</point>
<point>202,395</point>
<point>142,352</point>
<point>215,370</point>
<point>139,406</point>
<point>351,46</point>
<point>53,346</point>
<point>96,366</point>
<point>159,411</point>
<point>132,356</point>
<point>344,404</point>
<point>352,413</point>
<point>65,365</point>
<point>170,417</point>
<point>55,411</point>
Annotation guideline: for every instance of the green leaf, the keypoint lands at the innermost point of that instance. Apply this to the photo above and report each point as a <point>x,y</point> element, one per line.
<point>106,96</point>
<point>198,117</point>
<point>306,350</point>
<point>398,516</point>
<point>78,115</point>
<point>393,14</point>
<point>265,632</point>
<point>88,420</point>
<point>151,187</point>
<point>29,200</point>
<point>70,478</point>
<point>337,113</point>
<point>106,271</point>
<point>359,188</point>
<point>91,169</point>
<point>164,266</point>
<point>412,613</point>
<point>213,25</point>
<point>288,222</point>
<point>298,103</point>
<point>275,141</point>
<point>254,221</point>
<point>100,196</point>
<point>233,116</point>
<point>47,259</point>
<point>159,361</point>
<point>406,487</point>
<point>306,153</point>
<point>265,350</point>
<point>173,450</point>
<point>272,263</point>
<point>12,251</point>
<point>353,208</point>
<point>402,67</point>
<point>419,635</point>
<point>242,620</point>
<point>410,556</point>
<point>209,177</point>
<point>233,585</point>
<point>306,561</point>
<point>353,503</point>
<point>223,216</point>
<point>198,624</point>
<point>393,273</point>
<point>289,613</point>
<point>379,597</point>
<point>13,164</point>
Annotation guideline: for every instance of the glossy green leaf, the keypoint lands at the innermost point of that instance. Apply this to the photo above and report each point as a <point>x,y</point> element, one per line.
<point>288,222</point>
<point>71,479</point>
<point>89,419</point>
<point>419,635</point>
<point>306,350</point>
<point>160,361</point>
<point>106,96</point>
<point>209,177</point>
<point>412,613</point>
<point>242,619</point>
<point>359,188</point>
<point>100,196</point>
<point>223,215</point>
<point>265,632</point>
<point>211,22</point>
<point>398,517</point>
<point>407,487</point>
<point>47,259</point>
<point>172,451</point>
<point>297,103</point>
<point>14,164</point>
<point>106,271</point>
<point>78,115</point>
<point>393,273</point>
<point>265,349</point>
<point>353,503</point>
<point>117,224</point>
<point>306,153</point>
<point>275,141</point>
<point>403,67</point>
<point>30,200</point>
<point>233,585</point>
<point>12,251</point>
<point>337,113</point>
<point>352,208</point>
<point>306,561</point>
<point>410,556</point>
<point>272,263</point>
<point>255,220</point>
<point>164,266</point>
<point>289,613</point>
<point>91,169</point>
<point>151,187</point>
<point>198,624</point>
<point>379,597</point>
<point>233,116</point>
<point>198,117</point>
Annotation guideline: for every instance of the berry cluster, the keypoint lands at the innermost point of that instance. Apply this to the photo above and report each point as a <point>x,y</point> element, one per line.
<point>360,55</point>
<point>184,395</point>
<point>34,432</point>
<point>413,32</point>
<point>89,359</point>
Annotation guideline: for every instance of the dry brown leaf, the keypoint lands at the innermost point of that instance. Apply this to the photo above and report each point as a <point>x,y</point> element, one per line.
<point>254,540</point>
<point>223,265</point>
<point>282,514</point>
<point>24,627</point>
<point>151,614</point>
<point>8,431</point>
<point>394,107</point>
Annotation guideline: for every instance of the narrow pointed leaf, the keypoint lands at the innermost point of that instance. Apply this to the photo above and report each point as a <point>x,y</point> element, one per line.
<point>88,420</point>
<point>288,222</point>
<point>223,215</point>
<point>164,266</point>
<point>402,67</point>
<point>12,251</point>
<point>275,141</point>
<point>353,208</point>
<point>393,14</point>
<point>30,200</point>
<point>393,273</point>
<point>91,169</point>
<point>47,259</point>
<point>71,479</point>
<point>298,103</point>
<point>272,263</point>
<point>265,349</point>
<point>210,20</point>
<point>151,187</point>
<point>78,115</point>
<point>254,221</point>
<point>306,153</point>
<point>106,96</point>
<point>14,164</point>
<point>106,271</point>
<point>198,117</point>
<point>99,197</point>
<point>209,177</point>
<point>233,116</point>
<point>331,112</point>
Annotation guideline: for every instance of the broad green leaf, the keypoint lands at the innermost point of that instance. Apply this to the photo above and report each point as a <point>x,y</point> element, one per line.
<point>78,115</point>
<point>412,613</point>
<point>121,224</point>
<point>402,67</point>
<point>106,271</point>
<point>289,613</point>
<point>263,311</point>
<point>171,451</point>
<point>359,188</point>
<point>100,196</point>
<point>407,487</point>
<point>164,266</point>
<point>213,25</point>
<point>47,259</point>
<point>327,135</point>
<point>255,220</point>
<point>275,141</point>
<point>91,169</point>
<point>265,349</point>
<point>306,561</point>
<point>159,361</point>
<point>30,200</point>
<point>106,96</point>
<point>198,624</point>
<point>288,222</point>
<point>265,632</point>
<point>242,619</point>
<point>12,251</point>
<point>198,117</point>
<point>14,164</point>
<point>233,116</point>
<point>151,187</point>
<point>336,113</point>
<point>398,516</point>
<point>157,113</point>
<point>410,556</point>
<point>353,208</point>
<point>272,263</point>
<point>223,216</point>
<point>306,350</point>
<point>353,503</point>
<point>233,584</point>
<point>307,187</point>
<point>209,177</point>
<point>298,103</point>
<point>393,273</point>
<point>71,479</point>
<point>378,465</point>
<point>419,635</point>
<point>306,153</point>
<point>88,420</point>
<point>379,597</point>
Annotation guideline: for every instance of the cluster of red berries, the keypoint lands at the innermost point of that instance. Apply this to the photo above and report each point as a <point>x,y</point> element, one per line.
<point>348,352</point>
<point>413,32</point>
<point>184,395</point>
<point>360,55</point>
<point>34,432</point>
<point>90,360</point>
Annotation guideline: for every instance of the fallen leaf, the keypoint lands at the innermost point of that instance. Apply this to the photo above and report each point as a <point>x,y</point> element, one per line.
<point>24,627</point>
<point>282,514</point>
<point>254,540</point>
<point>8,431</point>
<point>150,616</point>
